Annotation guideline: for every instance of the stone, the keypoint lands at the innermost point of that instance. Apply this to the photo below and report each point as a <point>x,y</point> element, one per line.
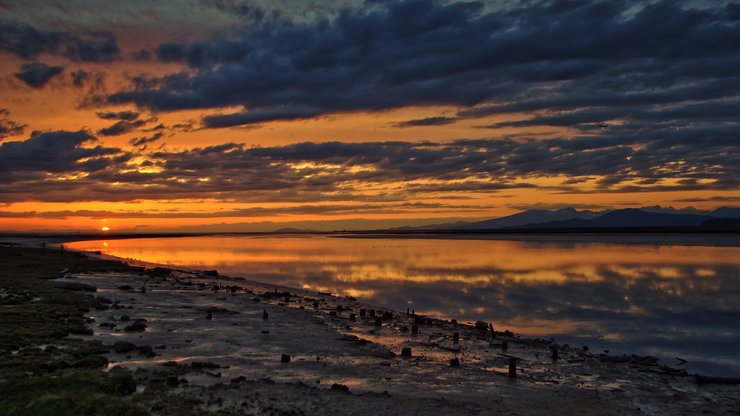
<point>122,347</point>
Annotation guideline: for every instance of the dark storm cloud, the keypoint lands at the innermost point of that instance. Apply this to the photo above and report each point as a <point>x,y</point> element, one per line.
<point>700,160</point>
<point>9,127</point>
<point>92,79</point>
<point>121,115</point>
<point>28,42</point>
<point>50,153</point>
<point>256,117</point>
<point>537,56</point>
<point>127,123</point>
<point>143,141</point>
<point>36,74</point>
<point>428,121</point>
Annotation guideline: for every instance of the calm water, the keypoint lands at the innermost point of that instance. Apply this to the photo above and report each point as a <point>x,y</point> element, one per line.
<point>663,300</point>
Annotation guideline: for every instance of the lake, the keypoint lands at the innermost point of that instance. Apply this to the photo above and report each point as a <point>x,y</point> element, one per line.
<point>660,299</point>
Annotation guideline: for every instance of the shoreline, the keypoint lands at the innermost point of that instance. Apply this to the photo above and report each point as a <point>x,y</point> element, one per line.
<point>362,356</point>
<point>711,238</point>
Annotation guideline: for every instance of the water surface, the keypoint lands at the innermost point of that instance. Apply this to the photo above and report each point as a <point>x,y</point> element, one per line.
<point>661,299</point>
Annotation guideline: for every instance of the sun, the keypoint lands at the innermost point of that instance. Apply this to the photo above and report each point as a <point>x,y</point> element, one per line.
<point>105,229</point>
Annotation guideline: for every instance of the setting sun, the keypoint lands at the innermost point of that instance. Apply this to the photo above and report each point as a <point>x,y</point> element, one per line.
<point>105,229</point>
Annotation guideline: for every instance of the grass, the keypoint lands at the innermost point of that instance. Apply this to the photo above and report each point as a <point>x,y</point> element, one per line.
<point>42,370</point>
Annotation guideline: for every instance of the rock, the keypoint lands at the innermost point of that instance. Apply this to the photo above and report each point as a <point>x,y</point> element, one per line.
<point>158,272</point>
<point>204,365</point>
<point>137,326</point>
<point>124,318</point>
<point>122,347</point>
<point>340,387</point>
<point>406,352</point>
<point>81,330</point>
<point>127,288</point>
<point>481,325</point>
<point>285,358</point>
<point>76,287</point>
<point>455,362</point>
<point>173,381</point>
<point>92,361</point>
<point>146,351</point>
<point>121,381</point>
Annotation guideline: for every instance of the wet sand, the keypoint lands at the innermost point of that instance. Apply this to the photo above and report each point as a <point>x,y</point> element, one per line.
<point>199,343</point>
<point>348,354</point>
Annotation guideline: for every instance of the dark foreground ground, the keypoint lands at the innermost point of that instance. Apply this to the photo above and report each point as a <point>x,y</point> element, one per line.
<point>81,335</point>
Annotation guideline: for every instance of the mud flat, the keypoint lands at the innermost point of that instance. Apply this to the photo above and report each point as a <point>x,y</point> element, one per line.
<point>169,341</point>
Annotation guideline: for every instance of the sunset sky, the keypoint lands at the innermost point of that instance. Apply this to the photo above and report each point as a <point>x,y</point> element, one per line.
<point>234,115</point>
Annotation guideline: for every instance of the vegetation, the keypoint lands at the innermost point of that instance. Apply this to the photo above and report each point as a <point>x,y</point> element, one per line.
<point>44,371</point>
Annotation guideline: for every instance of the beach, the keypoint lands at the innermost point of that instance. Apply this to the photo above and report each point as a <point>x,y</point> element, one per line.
<point>119,339</point>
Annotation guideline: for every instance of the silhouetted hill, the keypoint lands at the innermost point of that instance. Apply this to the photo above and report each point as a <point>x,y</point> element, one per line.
<point>628,218</point>
<point>726,212</point>
<point>530,217</point>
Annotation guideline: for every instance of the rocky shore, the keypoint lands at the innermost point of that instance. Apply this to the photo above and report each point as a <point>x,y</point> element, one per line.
<point>85,335</point>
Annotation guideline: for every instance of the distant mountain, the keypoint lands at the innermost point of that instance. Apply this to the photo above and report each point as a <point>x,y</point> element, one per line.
<point>653,216</point>
<point>533,216</point>
<point>726,212</point>
<point>629,217</point>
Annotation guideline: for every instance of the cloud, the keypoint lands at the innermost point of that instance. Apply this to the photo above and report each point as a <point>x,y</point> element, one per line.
<point>573,62</point>
<point>92,79</point>
<point>256,117</point>
<point>36,74</point>
<point>308,209</point>
<point>9,127</point>
<point>711,199</point>
<point>143,141</point>
<point>28,42</point>
<point>121,115</point>
<point>372,171</point>
<point>428,121</point>
<point>46,154</point>
<point>122,126</point>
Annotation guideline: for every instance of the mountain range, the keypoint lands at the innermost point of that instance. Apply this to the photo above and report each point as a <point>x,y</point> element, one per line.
<point>570,218</point>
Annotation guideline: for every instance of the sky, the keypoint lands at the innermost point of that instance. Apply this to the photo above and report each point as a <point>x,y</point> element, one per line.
<point>198,115</point>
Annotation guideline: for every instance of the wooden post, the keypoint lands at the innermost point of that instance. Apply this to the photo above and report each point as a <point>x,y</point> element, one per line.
<point>406,352</point>
<point>264,314</point>
<point>43,248</point>
<point>455,336</point>
<point>61,249</point>
<point>512,367</point>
